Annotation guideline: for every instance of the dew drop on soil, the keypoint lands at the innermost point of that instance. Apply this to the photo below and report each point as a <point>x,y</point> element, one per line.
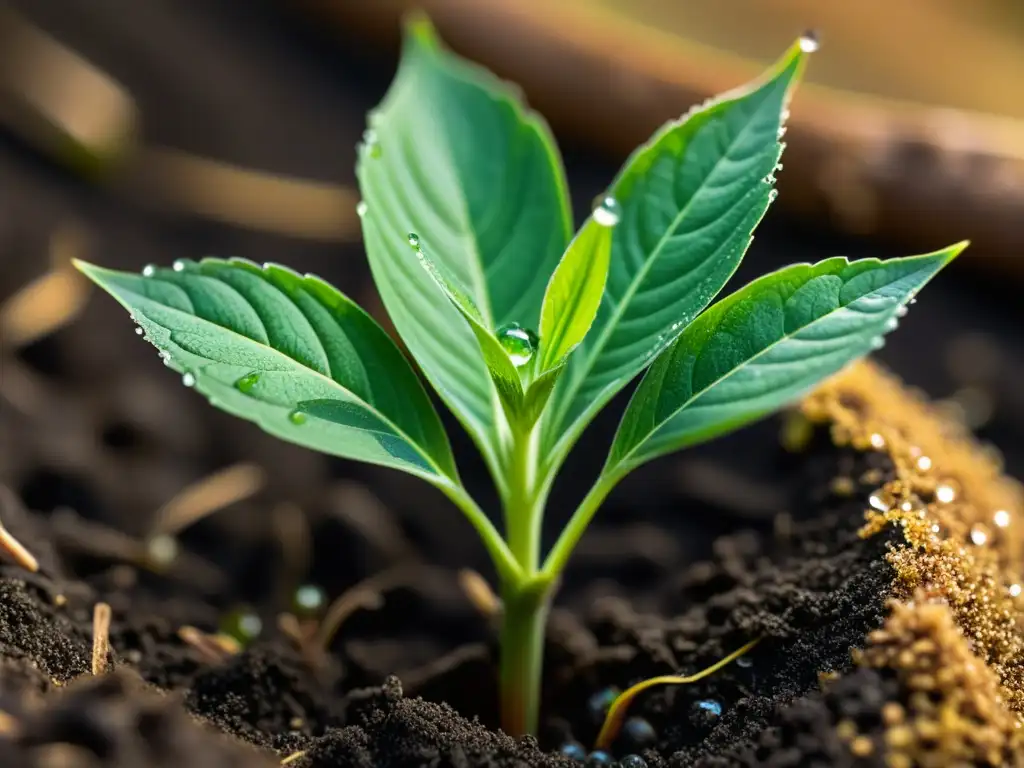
<point>297,417</point>
<point>573,750</point>
<point>639,731</point>
<point>309,600</point>
<point>632,761</point>
<point>161,550</point>
<point>519,343</point>
<point>608,211</point>
<point>247,382</point>
<point>242,624</point>
<point>809,42</point>
<point>599,758</point>
<point>710,706</point>
<point>188,379</point>
<point>745,662</point>
<point>598,703</point>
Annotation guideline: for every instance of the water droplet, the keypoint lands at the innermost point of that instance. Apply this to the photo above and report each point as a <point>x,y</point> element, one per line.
<point>877,343</point>
<point>1015,590</point>
<point>573,750</point>
<point>902,311</point>
<point>608,211</point>
<point>297,417</point>
<point>599,758</point>
<point>809,42</point>
<point>308,600</point>
<point>781,132</point>
<point>1001,518</point>
<point>891,324</point>
<point>772,195</point>
<point>149,270</point>
<point>161,550</point>
<point>945,494</point>
<point>139,331</point>
<point>598,703</point>
<point>745,662</point>
<point>247,382</point>
<point>632,761</point>
<point>242,624</point>
<point>178,265</point>
<point>711,707</point>
<point>188,379</point>
<point>784,115</point>
<point>639,731</point>
<point>877,441</point>
<point>519,343</point>
<point>912,301</point>
<point>361,208</point>
<point>878,503</point>
<point>924,463</point>
<point>979,535</point>
<point>414,240</point>
<point>371,143</point>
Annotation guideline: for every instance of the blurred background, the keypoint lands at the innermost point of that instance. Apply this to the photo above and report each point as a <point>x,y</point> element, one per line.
<point>135,132</point>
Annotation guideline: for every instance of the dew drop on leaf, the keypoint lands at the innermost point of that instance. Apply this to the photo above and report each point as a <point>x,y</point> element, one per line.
<point>414,240</point>
<point>877,342</point>
<point>519,343</point>
<point>139,331</point>
<point>297,417</point>
<point>809,42</point>
<point>148,271</point>
<point>902,311</point>
<point>361,208</point>
<point>178,265</point>
<point>891,324</point>
<point>188,379</point>
<point>371,143</point>
<point>607,211</point>
<point>247,382</point>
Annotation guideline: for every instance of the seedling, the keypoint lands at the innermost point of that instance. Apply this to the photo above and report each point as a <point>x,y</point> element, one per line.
<point>524,329</point>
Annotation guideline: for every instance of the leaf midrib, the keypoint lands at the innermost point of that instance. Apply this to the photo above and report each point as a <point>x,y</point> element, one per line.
<point>354,397</point>
<point>694,396</point>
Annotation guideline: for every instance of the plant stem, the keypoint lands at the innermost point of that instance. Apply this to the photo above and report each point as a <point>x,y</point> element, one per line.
<point>522,655</point>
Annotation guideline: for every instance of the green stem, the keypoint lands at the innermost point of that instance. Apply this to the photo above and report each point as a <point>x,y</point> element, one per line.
<point>573,532</point>
<point>521,509</point>
<point>525,614</point>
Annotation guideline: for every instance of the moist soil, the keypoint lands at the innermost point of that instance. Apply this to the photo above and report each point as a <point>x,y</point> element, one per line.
<point>805,581</point>
<point>692,557</point>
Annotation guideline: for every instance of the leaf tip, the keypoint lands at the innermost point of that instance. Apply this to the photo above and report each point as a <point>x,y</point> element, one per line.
<point>420,30</point>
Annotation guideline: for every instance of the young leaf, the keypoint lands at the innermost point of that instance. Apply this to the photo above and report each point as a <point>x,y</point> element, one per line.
<point>503,371</point>
<point>453,156</point>
<point>763,347</point>
<point>685,206</point>
<point>574,294</point>
<point>290,353</point>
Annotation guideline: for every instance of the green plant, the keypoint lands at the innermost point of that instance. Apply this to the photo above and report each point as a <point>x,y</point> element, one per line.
<point>469,236</point>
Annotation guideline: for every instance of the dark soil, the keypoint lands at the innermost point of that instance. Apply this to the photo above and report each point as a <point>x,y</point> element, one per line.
<point>692,557</point>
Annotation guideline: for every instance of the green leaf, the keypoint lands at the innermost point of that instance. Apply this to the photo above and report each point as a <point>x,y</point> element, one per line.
<point>452,156</point>
<point>503,371</point>
<point>765,346</point>
<point>290,353</point>
<point>574,294</point>
<point>686,204</point>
